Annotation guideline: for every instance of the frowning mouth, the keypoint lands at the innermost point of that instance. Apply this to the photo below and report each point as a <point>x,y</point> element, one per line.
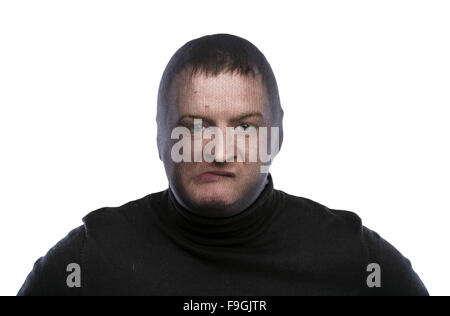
<point>215,175</point>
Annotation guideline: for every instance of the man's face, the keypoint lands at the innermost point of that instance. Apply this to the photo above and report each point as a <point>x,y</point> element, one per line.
<point>217,188</point>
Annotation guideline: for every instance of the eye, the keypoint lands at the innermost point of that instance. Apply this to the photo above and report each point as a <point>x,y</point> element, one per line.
<point>244,127</point>
<point>197,127</point>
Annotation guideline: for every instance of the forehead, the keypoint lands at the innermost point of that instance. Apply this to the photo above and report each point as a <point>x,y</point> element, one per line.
<point>224,95</point>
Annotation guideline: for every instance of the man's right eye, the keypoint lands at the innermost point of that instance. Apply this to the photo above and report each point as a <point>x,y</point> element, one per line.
<point>197,127</point>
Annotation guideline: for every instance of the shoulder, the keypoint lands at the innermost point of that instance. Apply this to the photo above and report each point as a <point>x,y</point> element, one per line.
<point>128,215</point>
<point>397,274</point>
<point>317,228</point>
<point>317,214</point>
<point>344,231</point>
<point>101,227</point>
<point>48,276</point>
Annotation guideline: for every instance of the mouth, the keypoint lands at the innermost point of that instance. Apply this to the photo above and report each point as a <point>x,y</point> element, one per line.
<point>215,175</point>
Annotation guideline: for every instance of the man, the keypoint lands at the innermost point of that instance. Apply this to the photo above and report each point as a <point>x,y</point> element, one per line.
<point>221,228</point>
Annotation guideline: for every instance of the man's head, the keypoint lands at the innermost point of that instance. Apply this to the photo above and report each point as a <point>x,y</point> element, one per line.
<point>226,82</point>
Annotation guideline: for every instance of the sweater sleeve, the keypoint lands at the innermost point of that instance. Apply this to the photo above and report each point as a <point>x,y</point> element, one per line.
<point>50,273</point>
<point>397,275</point>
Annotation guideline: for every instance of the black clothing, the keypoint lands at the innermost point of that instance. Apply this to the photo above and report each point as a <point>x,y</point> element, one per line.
<point>281,245</point>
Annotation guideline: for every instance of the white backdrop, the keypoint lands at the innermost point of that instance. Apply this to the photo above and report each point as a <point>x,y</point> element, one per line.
<point>364,85</point>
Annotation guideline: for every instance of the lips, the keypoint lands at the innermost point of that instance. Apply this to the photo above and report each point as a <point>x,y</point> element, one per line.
<point>215,175</point>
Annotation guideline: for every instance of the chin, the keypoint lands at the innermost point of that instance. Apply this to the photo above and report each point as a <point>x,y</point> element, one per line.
<point>218,198</point>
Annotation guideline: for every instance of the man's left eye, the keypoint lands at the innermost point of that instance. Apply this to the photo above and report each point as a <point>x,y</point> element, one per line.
<point>244,126</point>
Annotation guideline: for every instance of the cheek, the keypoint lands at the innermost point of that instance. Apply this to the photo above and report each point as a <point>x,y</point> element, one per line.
<point>182,172</point>
<point>248,149</point>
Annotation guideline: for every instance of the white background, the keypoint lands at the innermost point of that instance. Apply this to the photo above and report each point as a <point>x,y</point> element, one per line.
<point>364,85</point>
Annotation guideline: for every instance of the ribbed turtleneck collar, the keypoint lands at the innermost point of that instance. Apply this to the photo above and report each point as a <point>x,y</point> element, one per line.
<point>233,230</point>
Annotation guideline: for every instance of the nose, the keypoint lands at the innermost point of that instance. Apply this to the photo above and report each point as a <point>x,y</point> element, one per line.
<point>222,151</point>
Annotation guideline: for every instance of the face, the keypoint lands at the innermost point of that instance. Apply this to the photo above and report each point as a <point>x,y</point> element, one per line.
<point>225,185</point>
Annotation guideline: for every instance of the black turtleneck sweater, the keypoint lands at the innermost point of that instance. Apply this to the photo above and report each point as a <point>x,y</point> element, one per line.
<point>281,245</point>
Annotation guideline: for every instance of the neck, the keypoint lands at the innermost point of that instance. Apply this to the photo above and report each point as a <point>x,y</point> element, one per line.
<point>239,228</point>
<point>220,211</point>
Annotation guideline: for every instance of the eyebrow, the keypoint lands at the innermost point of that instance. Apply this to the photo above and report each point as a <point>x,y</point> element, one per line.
<point>233,120</point>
